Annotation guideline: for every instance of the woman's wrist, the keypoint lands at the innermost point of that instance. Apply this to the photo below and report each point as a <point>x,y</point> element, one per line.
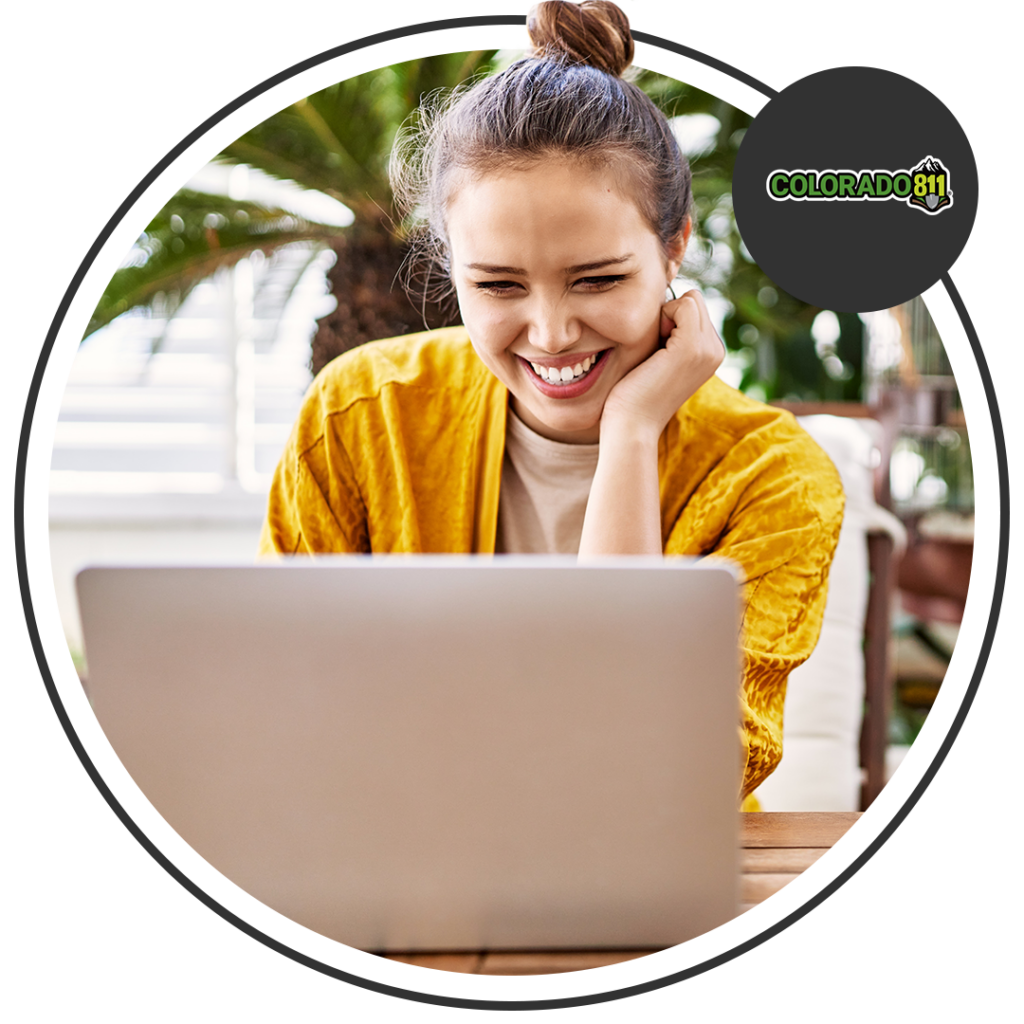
<point>631,432</point>
<point>624,510</point>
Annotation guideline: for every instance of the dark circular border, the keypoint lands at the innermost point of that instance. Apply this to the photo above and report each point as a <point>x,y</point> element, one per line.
<point>327,969</point>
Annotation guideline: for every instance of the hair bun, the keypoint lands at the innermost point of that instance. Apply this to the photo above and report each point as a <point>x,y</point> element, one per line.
<point>594,32</point>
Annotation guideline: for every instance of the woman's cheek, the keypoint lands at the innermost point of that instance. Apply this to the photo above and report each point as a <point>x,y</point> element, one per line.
<point>644,337</point>
<point>636,322</point>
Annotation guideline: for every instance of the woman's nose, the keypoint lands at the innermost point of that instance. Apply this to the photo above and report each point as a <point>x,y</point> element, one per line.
<point>553,328</point>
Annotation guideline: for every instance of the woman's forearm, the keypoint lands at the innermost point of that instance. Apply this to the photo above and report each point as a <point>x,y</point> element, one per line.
<point>624,509</point>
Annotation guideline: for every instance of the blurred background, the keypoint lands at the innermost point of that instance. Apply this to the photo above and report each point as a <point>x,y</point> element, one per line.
<point>285,251</point>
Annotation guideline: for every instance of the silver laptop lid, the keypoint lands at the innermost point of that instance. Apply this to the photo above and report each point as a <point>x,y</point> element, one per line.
<point>438,753</point>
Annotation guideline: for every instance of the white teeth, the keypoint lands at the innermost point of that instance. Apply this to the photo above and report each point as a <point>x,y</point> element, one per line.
<point>554,375</point>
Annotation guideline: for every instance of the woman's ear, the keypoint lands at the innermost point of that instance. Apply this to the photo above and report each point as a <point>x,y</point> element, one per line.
<point>677,248</point>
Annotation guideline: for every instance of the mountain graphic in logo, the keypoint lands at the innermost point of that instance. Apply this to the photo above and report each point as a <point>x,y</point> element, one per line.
<point>931,191</point>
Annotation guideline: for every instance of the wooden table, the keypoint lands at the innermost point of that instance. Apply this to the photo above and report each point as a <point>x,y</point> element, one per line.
<point>776,848</point>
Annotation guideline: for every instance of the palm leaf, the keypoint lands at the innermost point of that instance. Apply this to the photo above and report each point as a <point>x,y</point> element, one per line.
<point>194,235</point>
<point>338,140</point>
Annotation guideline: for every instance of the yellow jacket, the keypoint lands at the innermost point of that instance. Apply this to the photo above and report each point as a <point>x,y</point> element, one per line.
<point>399,448</point>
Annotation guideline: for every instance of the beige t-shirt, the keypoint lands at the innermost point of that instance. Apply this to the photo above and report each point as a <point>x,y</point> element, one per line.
<point>544,490</point>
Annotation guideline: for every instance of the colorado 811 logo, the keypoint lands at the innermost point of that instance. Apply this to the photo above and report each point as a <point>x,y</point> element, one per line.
<point>925,187</point>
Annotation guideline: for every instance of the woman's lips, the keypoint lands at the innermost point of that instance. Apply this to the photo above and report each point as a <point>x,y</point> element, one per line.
<point>571,389</point>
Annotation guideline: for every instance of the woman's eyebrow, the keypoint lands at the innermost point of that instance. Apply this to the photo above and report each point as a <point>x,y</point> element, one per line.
<point>491,268</point>
<point>579,268</point>
<point>582,268</point>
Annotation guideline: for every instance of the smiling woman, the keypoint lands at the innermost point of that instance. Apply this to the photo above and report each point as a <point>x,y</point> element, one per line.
<point>553,265</point>
<point>575,411</point>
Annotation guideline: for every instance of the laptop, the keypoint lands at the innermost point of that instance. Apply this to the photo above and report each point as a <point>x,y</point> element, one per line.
<point>424,753</point>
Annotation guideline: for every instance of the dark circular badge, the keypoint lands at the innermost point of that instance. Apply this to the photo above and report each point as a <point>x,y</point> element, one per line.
<point>855,189</point>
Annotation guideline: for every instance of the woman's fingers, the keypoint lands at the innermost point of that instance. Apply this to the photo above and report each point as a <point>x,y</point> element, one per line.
<point>689,311</point>
<point>691,328</point>
<point>689,356</point>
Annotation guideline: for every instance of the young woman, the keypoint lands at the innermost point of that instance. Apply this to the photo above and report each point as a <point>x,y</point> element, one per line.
<point>577,410</point>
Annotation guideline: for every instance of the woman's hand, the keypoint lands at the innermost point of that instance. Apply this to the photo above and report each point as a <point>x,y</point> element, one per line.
<point>624,508</point>
<point>648,396</point>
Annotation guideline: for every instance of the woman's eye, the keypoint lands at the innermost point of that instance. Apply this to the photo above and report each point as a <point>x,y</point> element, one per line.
<point>588,284</point>
<point>497,287</point>
<point>597,284</point>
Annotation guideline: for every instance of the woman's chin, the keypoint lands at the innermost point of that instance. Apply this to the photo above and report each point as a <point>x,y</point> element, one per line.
<point>550,419</point>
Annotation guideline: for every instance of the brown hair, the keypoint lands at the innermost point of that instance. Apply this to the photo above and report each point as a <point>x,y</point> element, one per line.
<point>566,98</point>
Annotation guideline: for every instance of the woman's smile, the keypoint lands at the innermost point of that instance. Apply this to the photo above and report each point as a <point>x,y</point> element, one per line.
<point>560,283</point>
<point>568,377</point>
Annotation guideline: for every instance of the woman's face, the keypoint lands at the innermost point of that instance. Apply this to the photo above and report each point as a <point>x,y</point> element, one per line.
<point>560,283</point>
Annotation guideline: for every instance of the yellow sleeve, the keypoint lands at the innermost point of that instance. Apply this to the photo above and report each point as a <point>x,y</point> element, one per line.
<point>783,535</point>
<point>768,659</point>
<point>743,481</point>
<point>314,504</point>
